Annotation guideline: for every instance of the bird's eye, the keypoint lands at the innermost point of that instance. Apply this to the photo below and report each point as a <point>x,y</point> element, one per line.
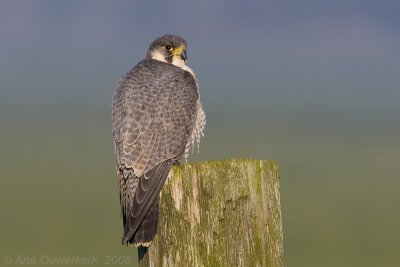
<point>168,47</point>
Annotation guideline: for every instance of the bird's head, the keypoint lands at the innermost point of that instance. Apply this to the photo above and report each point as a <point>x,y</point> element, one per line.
<point>170,49</point>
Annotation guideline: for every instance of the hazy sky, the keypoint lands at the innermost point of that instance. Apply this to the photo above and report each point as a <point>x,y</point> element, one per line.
<point>305,67</point>
<point>340,53</point>
<point>321,67</point>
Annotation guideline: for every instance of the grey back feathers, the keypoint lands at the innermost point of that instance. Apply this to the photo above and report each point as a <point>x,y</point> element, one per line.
<point>154,112</point>
<point>157,115</point>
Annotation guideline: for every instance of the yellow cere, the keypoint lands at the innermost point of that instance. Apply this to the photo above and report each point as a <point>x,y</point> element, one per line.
<point>179,50</point>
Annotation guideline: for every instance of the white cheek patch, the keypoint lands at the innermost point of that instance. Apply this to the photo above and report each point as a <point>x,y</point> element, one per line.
<point>158,56</point>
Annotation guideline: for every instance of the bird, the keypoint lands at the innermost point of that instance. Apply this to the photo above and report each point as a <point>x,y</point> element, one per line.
<point>157,118</point>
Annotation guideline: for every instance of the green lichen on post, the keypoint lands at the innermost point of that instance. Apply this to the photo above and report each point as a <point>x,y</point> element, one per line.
<point>220,213</point>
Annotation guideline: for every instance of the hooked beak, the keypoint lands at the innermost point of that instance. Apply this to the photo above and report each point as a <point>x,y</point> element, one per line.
<point>183,55</point>
<point>180,52</point>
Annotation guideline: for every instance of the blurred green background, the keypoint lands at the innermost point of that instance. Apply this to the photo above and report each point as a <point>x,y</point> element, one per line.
<point>312,84</point>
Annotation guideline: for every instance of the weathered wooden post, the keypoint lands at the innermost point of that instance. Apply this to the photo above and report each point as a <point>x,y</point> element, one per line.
<point>219,213</point>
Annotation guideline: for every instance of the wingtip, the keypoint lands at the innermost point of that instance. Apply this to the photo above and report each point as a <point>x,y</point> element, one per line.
<point>136,244</point>
<point>125,240</point>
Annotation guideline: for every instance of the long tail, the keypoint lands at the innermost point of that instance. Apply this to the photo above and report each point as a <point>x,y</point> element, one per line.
<point>147,229</point>
<point>140,203</point>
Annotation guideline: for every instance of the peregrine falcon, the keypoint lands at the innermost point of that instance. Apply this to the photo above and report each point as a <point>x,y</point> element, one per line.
<point>156,118</point>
